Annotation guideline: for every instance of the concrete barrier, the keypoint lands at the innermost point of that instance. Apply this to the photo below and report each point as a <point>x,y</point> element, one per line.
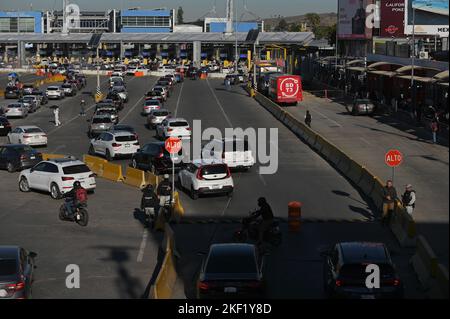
<point>151,179</point>
<point>403,226</point>
<point>354,172</point>
<point>112,172</point>
<point>47,157</point>
<point>377,193</point>
<point>439,284</point>
<point>95,164</point>
<point>178,210</point>
<point>366,182</point>
<point>134,177</point>
<point>2,93</point>
<point>424,262</point>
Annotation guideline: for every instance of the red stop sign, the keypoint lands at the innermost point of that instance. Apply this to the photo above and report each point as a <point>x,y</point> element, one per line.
<point>393,158</point>
<point>173,145</point>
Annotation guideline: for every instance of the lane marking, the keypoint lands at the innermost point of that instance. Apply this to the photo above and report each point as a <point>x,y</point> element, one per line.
<point>134,106</point>
<point>140,256</point>
<point>331,120</point>
<point>219,104</point>
<point>179,100</point>
<point>262,179</point>
<point>58,148</point>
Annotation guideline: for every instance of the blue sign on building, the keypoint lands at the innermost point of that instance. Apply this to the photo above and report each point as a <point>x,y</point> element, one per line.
<point>145,21</point>
<point>241,26</point>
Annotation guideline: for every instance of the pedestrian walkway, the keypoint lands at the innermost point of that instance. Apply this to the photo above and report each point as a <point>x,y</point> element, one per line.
<point>367,139</point>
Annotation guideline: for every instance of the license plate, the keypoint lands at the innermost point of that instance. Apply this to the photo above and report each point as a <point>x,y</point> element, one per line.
<point>1,126</point>
<point>368,297</point>
<point>127,145</point>
<point>3,293</point>
<point>33,157</point>
<point>230,290</point>
<point>216,187</point>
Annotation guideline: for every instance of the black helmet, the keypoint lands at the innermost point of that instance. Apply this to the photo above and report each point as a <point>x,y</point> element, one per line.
<point>262,201</point>
<point>77,184</point>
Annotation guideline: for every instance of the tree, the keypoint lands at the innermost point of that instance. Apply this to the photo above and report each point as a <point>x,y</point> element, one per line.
<point>313,19</point>
<point>331,34</point>
<point>282,26</point>
<point>180,14</point>
<point>295,27</point>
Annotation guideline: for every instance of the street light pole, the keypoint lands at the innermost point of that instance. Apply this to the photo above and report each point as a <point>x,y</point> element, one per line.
<point>98,73</point>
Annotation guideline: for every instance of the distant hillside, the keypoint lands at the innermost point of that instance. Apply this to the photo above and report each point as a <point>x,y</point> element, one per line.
<point>326,20</point>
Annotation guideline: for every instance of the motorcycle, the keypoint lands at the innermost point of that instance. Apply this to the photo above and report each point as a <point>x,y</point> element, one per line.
<point>80,216</point>
<point>250,229</point>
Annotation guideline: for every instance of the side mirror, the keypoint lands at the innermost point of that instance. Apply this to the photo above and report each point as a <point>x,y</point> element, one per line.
<point>32,254</point>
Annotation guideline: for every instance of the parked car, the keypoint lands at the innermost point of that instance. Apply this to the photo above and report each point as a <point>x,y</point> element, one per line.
<point>362,106</point>
<point>114,144</point>
<point>16,272</point>
<point>54,92</point>
<point>17,157</point>
<point>13,92</point>
<point>345,271</point>
<point>30,135</point>
<point>150,105</point>
<point>5,126</point>
<point>156,117</point>
<point>16,110</point>
<point>154,157</point>
<point>235,153</point>
<point>57,177</point>
<point>100,124</point>
<point>30,101</point>
<point>231,271</point>
<point>174,127</point>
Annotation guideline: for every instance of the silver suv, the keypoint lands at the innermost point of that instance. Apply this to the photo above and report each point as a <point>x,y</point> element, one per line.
<point>100,124</point>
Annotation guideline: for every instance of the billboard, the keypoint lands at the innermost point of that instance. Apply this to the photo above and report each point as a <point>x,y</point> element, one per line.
<point>431,17</point>
<point>392,18</point>
<point>352,19</point>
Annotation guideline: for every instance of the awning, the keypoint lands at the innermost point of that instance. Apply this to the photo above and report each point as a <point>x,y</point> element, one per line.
<point>377,64</point>
<point>443,84</point>
<point>408,68</point>
<point>355,62</point>
<point>385,73</point>
<point>441,76</point>
<point>416,78</point>
<point>357,69</point>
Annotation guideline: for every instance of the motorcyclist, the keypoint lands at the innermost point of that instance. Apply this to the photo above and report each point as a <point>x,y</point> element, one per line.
<point>164,190</point>
<point>83,107</point>
<point>77,195</point>
<point>265,212</point>
<point>149,198</point>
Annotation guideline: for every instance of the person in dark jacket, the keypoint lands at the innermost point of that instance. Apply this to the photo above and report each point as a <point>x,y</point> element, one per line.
<point>308,118</point>
<point>389,198</point>
<point>72,194</point>
<point>149,200</point>
<point>265,212</point>
<point>164,190</point>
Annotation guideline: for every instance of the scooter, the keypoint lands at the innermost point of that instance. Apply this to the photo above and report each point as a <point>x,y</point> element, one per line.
<point>80,216</point>
<point>250,226</point>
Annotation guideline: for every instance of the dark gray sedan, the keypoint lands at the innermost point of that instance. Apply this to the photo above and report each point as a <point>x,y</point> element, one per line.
<point>362,107</point>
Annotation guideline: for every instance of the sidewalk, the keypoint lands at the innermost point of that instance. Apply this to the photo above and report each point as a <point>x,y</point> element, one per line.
<point>367,140</point>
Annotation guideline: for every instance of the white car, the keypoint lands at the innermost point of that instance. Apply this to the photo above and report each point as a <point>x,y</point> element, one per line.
<point>150,105</point>
<point>16,110</point>
<point>28,135</point>
<point>57,177</point>
<point>162,90</point>
<point>156,117</point>
<point>174,127</point>
<point>117,72</point>
<point>115,144</point>
<point>203,177</point>
<point>234,152</point>
<point>54,92</point>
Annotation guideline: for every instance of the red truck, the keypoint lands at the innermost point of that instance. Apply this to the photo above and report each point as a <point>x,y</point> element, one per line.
<point>285,89</point>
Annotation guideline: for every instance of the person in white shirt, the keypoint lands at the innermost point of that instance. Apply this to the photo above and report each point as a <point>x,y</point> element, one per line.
<point>56,113</point>
<point>409,199</point>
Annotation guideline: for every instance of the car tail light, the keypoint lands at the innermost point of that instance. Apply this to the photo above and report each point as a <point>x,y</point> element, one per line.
<point>170,130</point>
<point>115,145</point>
<point>338,283</point>
<point>188,129</point>
<point>203,286</point>
<point>161,155</point>
<point>65,179</point>
<point>228,172</point>
<point>16,287</point>
<point>199,175</point>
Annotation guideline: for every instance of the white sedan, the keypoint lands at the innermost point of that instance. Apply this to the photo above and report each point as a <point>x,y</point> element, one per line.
<point>29,135</point>
<point>174,128</point>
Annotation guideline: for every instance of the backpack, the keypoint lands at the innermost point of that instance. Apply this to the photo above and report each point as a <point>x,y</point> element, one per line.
<point>81,195</point>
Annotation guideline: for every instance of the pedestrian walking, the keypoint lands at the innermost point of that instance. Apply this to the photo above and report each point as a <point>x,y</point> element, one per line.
<point>409,199</point>
<point>434,129</point>
<point>389,197</point>
<point>56,113</point>
<point>308,119</point>
<point>82,107</point>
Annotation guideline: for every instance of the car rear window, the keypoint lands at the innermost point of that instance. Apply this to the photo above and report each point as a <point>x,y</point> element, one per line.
<point>52,89</point>
<point>101,120</point>
<point>7,267</point>
<point>14,106</point>
<point>151,102</point>
<point>161,113</point>
<point>179,124</point>
<point>76,169</point>
<point>236,263</point>
<point>214,170</point>
<point>33,130</point>
<point>129,138</point>
<point>23,149</point>
<point>236,146</point>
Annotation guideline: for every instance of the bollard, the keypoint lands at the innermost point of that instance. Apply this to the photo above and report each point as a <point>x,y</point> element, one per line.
<point>294,216</point>
<point>326,94</point>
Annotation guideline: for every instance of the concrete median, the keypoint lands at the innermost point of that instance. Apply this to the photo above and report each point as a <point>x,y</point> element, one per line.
<point>439,284</point>
<point>151,179</point>
<point>112,172</point>
<point>47,157</point>
<point>178,210</point>
<point>135,177</point>
<point>377,193</point>
<point>403,226</point>
<point>366,182</point>
<point>95,164</point>
<point>354,172</point>
<point>424,262</point>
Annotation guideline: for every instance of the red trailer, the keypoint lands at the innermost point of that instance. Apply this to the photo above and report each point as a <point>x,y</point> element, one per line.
<point>285,89</point>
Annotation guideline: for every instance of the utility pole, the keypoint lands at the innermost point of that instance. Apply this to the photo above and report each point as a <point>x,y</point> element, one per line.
<point>236,35</point>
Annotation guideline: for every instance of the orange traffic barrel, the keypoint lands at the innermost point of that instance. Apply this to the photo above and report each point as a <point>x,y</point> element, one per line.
<point>294,216</point>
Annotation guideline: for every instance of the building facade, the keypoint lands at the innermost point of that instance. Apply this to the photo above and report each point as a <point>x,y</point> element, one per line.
<point>147,21</point>
<point>21,21</point>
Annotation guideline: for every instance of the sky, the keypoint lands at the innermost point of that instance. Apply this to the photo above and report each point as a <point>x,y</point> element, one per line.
<point>193,9</point>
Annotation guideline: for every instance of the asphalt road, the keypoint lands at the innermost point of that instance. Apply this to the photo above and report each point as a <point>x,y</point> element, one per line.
<point>117,255</point>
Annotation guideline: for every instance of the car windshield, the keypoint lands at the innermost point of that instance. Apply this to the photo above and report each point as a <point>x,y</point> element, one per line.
<point>214,170</point>
<point>76,169</point>
<point>33,130</point>
<point>235,262</point>
<point>99,120</point>
<point>179,124</point>
<point>23,148</point>
<point>52,88</point>
<point>8,267</point>
<point>128,138</point>
<point>14,106</point>
<point>161,113</point>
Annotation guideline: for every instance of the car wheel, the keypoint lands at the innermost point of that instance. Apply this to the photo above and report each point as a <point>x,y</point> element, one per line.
<point>54,191</point>
<point>194,194</point>
<point>23,185</point>
<point>10,167</point>
<point>108,156</point>
<point>91,150</point>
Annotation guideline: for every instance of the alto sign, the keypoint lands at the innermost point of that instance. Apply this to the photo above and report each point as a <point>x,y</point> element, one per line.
<point>173,145</point>
<point>393,158</point>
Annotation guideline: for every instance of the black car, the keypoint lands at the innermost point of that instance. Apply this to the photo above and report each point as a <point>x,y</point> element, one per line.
<point>5,126</point>
<point>231,271</point>
<point>155,158</point>
<point>345,272</point>
<point>16,272</point>
<point>14,157</point>
<point>13,92</point>
<point>114,98</point>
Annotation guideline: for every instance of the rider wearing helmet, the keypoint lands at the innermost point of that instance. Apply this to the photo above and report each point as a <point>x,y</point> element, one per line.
<point>265,212</point>
<point>164,190</point>
<point>77,195</point>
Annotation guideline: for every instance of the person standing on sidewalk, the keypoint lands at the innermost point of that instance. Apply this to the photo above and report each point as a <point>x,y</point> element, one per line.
<point>409,199</point>
<point>434,129</point>
<point>308,119</point>
<point>56,113</point>
<point>389,197</point>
